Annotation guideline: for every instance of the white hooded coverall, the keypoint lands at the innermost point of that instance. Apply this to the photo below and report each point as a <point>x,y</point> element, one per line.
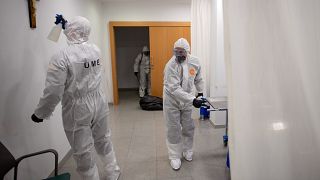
<point>179,80</point>
<point>142,65</point>
<point>74,76</point>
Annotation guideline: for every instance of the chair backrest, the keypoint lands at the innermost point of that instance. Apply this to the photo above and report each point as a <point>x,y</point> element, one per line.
<point>7,161</point>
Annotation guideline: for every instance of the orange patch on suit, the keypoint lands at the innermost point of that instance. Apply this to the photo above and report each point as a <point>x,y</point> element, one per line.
<point>192,71</point>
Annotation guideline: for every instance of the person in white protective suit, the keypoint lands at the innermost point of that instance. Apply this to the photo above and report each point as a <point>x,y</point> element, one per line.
<point>141,69</point>
<point>181,74</point>
<point>75,77</point>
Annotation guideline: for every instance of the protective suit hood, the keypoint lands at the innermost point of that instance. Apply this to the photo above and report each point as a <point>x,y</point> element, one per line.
<point>145,49</point>
<point>182,43</point>
<point>77,30</point>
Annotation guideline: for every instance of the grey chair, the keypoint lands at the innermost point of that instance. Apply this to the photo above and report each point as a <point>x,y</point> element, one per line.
<point>7,162</point>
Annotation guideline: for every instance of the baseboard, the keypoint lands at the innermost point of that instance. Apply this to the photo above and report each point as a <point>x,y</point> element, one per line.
<point>62,162</point>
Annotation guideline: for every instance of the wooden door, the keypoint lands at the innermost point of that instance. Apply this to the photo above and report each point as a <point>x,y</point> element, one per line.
<point>162,40</point>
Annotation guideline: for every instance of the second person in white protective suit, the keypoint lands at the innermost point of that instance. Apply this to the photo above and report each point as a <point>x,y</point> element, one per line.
<point>181,74</point>
<point>75,77</point>
<point>142,71</point>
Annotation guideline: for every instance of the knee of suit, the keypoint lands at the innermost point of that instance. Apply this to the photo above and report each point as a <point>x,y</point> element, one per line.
<point>103,146</point>
<point>174,137</point>
<point>86,170</point>
<point>88,173</point>
<point>188,130</point>
<point>85,161</point>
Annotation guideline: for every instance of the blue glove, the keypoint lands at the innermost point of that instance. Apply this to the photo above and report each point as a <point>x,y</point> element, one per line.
<point>60,19</point>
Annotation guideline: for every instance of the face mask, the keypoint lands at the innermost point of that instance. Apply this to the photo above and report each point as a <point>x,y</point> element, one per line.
<point>147,53</point>
<point>181,55</point>
<point>180,59</point>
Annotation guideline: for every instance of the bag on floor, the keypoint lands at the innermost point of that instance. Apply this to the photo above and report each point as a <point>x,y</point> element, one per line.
<point>151,103</point>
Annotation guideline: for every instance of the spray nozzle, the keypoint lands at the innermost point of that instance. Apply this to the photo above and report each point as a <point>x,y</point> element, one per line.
<point>61,20</point>
<point>56,30</point>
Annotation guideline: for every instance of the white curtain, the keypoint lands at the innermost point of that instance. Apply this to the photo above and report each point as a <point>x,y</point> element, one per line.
<point>273,60</point>
<point>207,44</point>
<point>203,36</point>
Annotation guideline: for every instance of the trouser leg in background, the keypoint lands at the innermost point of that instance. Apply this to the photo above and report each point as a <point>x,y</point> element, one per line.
<point>187,124</point>
<point>143,83</point>
<point>83,153</point>
<point>104,148</point>
<point>77,119</point>
<point>149,83</point>
<point>174,142</point>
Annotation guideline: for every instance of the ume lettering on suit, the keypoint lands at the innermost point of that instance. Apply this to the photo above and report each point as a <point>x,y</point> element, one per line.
<point>92,63</point>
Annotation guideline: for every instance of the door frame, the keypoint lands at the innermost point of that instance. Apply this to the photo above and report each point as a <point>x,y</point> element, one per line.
<point>114,24</point>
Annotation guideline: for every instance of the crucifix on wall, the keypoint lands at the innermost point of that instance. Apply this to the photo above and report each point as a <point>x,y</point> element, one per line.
<point>32,13</point>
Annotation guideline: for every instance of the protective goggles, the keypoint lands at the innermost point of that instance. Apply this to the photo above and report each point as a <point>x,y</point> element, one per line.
<point>179,52</point>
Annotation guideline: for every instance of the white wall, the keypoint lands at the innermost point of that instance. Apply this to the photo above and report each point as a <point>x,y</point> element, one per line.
<point>24,56</point>
<point>139,11</point>
<point>273,60</point>
<point>127,49</point>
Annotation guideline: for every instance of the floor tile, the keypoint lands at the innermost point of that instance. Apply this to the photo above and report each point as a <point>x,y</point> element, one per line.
<point>139,139</point>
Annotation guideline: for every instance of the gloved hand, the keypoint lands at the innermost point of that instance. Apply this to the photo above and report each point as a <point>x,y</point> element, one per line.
<point>60,19</point>
<point>197,102</point>
<point>36,119</point>
<point>136,74</point>
<point>200,94</point>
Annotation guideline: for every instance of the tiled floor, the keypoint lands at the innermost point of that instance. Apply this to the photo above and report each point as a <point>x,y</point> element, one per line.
<point>139,142</point>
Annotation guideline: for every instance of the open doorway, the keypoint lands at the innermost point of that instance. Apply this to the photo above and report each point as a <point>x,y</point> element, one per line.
<point>128,45</point>
<point>162,36</point>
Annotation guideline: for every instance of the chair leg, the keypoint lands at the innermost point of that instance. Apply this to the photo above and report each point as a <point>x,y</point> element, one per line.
<point>55,164</point>
<point>15,172</point>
